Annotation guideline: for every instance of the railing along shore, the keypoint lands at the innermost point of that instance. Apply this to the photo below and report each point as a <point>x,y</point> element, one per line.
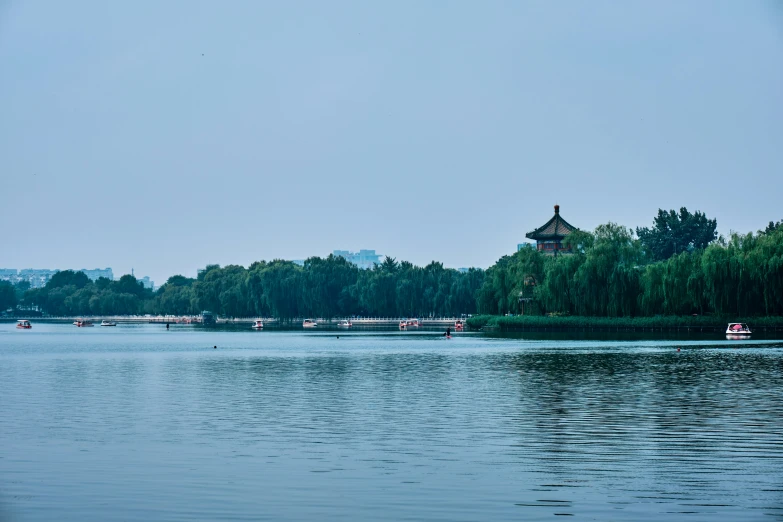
<point>197,319</point>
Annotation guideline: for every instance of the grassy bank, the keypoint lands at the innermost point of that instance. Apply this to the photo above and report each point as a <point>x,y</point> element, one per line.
<point>704,322</point>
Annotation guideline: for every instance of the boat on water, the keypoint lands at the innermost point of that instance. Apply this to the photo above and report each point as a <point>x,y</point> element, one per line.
<point>108,323</point>
<point>309,323</point>
<point>459,325</point>
<point>24,324</point>
<point>207,317</point>
<point>738,331</point>
<point>345,323</point>
<point>409,323</point>
<point>258,324</point>
<point>83,323</point>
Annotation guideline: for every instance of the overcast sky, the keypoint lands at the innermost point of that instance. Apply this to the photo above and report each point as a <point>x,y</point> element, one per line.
<point>164,136</point>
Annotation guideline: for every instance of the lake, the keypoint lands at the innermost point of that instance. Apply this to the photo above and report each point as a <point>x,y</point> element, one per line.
<point>136,423</point>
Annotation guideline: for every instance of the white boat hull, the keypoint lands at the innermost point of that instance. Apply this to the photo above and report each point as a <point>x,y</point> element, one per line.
<point>735,337</point>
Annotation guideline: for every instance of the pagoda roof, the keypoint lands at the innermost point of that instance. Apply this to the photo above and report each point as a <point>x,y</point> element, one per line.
<point>555,228</point>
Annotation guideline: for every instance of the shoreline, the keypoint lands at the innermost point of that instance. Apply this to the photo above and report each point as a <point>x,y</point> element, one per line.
<point>678,324</point>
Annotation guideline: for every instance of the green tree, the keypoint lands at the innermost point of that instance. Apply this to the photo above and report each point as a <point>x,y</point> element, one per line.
<point>8,297</point>
<point>389,265</point>
<point>281,283</point>
<point>128,284</point>
<point>176,300</point>
<point>20,288</point>
<point>179,280</point>
<point>773,226</point>
<point>103,283</point>
<point>673,233</point>
<point>66,278</point>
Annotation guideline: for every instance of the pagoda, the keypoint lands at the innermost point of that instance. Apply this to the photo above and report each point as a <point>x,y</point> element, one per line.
<point>549,237</point>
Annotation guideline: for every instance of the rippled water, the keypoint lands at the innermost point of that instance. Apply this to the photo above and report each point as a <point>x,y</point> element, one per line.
<point>136,423</point>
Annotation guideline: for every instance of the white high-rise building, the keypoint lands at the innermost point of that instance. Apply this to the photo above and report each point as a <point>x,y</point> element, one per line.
<point>362,258</point>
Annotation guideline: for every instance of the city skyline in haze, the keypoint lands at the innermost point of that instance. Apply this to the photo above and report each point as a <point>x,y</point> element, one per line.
<point>166,137</point>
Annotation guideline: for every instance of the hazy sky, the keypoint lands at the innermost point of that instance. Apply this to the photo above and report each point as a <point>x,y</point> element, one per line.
<point>167,135</point>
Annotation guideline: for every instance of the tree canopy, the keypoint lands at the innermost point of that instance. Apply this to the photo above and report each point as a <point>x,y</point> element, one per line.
<point>72,293</point>
<point>773,226</point>
<point>323,287</point>
<point>611,273</point>
<point>673,233</point>
<point>7,296</point>
<point>612,277</point>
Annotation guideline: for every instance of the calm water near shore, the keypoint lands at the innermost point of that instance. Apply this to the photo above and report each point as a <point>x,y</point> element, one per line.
<point>136,423</point>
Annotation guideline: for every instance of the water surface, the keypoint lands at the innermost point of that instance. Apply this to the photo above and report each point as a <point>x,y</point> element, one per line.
<point>137,423</point>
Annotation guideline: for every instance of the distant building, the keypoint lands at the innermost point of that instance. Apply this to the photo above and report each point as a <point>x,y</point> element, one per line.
<point>362,259</point>
<point>97,273</point>
<point>145,281</point>
<point>37,277</point>
<point>549,237</point>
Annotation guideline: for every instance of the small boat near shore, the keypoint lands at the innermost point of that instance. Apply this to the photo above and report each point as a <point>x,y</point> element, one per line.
<point>309,323</point>
<point>459,325</point>
<point>258,324</point>
<point>345,323</point>
<point>24,324</point>
<point>738,331</point>
<point>81,323</point>
<point>108,323</point>
<point>409,323</point>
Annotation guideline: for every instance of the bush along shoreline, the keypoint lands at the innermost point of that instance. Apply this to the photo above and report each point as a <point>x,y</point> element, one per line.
<point>703,323</point>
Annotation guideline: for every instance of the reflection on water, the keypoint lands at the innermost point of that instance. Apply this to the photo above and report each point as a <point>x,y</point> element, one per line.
<point>139,424</point>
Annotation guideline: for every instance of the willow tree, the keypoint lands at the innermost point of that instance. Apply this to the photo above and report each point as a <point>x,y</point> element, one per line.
<point>771,245</point>
<point>652,295</point>
<point>494,292</point>
<point>683,284</point>
<point>556,293</point>
<point>607,283</point>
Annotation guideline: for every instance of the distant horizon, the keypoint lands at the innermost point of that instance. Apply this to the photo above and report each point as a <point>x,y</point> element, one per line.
<point>154,280</point>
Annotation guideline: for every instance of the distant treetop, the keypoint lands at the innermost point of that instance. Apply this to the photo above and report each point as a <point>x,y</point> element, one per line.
<point>773,227</point>
<point>673,233</point>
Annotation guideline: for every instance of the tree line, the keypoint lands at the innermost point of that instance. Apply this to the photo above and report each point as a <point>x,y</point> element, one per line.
<point>678,266</point>
<point>73,293</point>
<point>323,287</point>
